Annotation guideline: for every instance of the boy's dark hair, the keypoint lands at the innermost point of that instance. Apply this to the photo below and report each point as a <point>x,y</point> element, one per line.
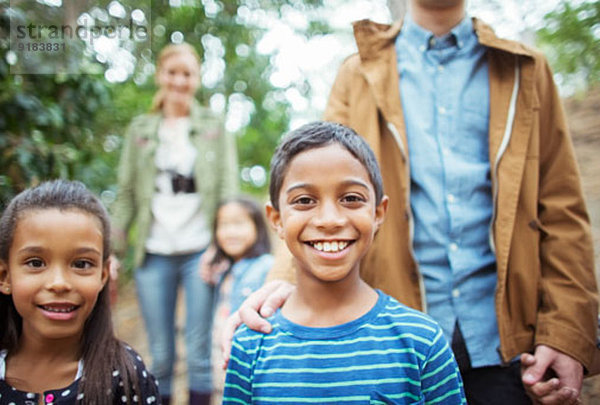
<point>262,244</point>
<point>101,351</point>
<point>316,135</point>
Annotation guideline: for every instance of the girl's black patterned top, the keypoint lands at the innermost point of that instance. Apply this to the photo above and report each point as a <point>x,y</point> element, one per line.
<point>68,396</point>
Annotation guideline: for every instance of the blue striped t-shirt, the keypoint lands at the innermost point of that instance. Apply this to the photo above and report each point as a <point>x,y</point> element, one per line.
<point>390,355</point>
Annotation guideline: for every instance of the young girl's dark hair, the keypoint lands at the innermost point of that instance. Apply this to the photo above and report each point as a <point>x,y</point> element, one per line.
<point>102,353</point>
<point>262,244</point>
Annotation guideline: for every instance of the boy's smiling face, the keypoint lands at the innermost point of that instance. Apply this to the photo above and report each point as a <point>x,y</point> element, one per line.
<point>327,212</point>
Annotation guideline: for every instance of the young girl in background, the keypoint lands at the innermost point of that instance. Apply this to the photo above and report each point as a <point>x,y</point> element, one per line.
<point>239,265</point>
<point>57,344</point>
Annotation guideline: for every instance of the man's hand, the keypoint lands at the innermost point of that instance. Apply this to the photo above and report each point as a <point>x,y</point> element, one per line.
<point>261,304</point>
<point>551,377</point>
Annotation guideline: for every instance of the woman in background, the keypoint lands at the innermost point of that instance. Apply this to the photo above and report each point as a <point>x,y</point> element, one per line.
<point>177,163</point>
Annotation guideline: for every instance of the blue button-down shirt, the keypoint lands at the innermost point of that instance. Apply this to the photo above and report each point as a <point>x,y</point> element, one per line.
<point>445,96</point>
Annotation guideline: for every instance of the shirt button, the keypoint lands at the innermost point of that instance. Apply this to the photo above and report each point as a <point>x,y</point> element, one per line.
<point>422,48</point>
<point>442,110</point>
<point>446,151</point>
<point>455,293</point>
<point>453,247</point>
<point>440,68</point>
<point>450,198</point>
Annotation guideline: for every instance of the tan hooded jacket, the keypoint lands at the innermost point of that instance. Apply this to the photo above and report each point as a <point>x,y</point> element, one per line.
<point>546,291</point>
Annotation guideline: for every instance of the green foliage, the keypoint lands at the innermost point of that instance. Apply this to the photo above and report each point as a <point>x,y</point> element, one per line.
<point>53,125</point>
<point>71,126</point>
<point>46,131</point>
<point>47,126</point>
<point>247,72</point>
<point>571,39</point>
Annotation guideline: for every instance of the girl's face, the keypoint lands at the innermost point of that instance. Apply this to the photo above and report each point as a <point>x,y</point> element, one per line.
<point>236,232</point>
<point>55,271</point>
<point>179,76</point>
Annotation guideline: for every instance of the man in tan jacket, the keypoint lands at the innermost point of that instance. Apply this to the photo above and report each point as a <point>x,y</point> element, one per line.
<point>487,229</point>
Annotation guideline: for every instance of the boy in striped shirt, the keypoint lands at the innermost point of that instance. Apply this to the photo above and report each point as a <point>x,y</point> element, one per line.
<point>336,340</point>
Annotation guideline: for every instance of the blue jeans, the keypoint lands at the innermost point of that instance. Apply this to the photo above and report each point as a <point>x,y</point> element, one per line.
<point>157,282</point>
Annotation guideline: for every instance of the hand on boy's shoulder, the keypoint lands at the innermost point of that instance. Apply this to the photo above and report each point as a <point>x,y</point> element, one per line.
<point>261,304</point>
<point>244,332</point>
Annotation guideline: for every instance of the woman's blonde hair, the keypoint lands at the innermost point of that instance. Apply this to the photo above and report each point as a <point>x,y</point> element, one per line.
<point>166,53</point>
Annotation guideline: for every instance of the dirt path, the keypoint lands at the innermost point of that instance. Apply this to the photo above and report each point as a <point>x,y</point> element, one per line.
<point>585,125</point>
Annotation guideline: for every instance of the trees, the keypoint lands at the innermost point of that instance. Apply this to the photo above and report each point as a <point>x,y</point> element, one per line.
<point>571,39</point>
<point>70,125</point>
<point>47,124</point>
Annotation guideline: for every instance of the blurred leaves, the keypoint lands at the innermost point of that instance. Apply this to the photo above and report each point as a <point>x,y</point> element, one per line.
<point>71,125</point>
<point>571,40</point>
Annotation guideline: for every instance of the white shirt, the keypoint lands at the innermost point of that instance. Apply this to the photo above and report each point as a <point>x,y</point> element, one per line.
<point>178,222</point>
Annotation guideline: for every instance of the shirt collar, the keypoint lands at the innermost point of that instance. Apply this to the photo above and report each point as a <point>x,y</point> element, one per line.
<point>423,39</point>
<point>464,32</point>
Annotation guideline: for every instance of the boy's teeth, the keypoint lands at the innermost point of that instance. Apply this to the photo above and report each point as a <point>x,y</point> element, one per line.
<point>334,246</point>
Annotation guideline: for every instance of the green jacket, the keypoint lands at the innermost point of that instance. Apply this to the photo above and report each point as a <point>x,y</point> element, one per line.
<point>215,173</point>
